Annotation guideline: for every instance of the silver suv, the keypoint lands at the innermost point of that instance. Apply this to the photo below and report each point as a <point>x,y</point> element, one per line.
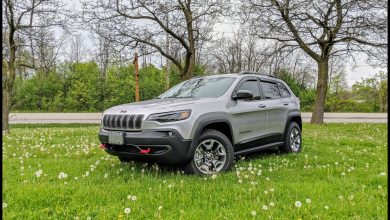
<point>202,123</point>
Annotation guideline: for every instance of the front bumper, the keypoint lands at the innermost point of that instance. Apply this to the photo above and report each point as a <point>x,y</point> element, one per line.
<point>165,146</point>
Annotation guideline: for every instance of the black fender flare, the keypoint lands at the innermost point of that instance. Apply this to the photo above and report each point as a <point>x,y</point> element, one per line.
<point>289,119</point>
<point>201,123</point>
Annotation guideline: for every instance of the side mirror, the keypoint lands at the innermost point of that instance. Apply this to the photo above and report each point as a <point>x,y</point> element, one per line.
<point>243,94</point>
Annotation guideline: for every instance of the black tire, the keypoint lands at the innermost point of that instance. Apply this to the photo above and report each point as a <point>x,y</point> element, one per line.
<point>211,134</point>
<point>287,146</point>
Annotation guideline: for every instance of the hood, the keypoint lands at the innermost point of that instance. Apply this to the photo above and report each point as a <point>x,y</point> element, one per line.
<point>157,105</point>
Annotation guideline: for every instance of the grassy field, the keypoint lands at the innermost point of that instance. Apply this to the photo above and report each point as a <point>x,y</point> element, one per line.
<point>58,172</point>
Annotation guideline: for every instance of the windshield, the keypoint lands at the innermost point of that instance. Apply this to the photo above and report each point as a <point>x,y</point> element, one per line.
<point>199,88</point>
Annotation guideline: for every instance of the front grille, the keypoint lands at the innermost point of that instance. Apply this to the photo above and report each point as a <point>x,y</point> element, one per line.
<point>122,122</point>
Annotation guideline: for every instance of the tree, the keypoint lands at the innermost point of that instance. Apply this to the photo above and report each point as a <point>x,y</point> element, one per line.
<point>19,17</point>
<point>142,22</point>
<point>322,29</point>
<point>373,92</point>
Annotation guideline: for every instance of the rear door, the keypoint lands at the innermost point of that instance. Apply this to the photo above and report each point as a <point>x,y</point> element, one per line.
<point>277,108</point>
<point>249,121</point>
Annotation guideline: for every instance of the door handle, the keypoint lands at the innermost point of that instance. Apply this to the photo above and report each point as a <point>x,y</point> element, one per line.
<point>262,106</point>
<point>286,103</point>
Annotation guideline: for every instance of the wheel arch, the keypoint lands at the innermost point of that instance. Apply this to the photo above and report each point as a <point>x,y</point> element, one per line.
<point>220,123</point>
<point>295,117</point>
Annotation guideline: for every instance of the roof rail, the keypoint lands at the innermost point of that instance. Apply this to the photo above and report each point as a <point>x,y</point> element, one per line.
<point>255,73</point>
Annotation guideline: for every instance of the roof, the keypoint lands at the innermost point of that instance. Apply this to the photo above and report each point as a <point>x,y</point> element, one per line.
<point>242,74</point>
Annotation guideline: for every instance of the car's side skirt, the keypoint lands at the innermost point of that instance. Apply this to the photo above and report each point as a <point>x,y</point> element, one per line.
<point>258,148</point>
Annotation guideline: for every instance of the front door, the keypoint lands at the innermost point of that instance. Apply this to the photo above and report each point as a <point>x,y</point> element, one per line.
<point>249,120</point>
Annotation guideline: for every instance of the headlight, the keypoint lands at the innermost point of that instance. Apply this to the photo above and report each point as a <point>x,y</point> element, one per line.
<point>170,116</point>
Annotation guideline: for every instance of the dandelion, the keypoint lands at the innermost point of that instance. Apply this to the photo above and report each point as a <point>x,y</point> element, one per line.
<point>265,192</point>
<point>265,207</point>
<point>62,175</point>
<point>5,205</point>
<point>298,204</point>
<point>326,207</point>
<point>38,173</point>
<point>170,186</point>
<point>382,174</point>
<point>351,197</point>
<point>127,210</point>
<point>341,197</point>
<point>240,180</point>
<point>271,189</point>
<point>254,213</point>
<point>308,201</point>
<point>89,218</point>
<point>379,187</point>
<point>134,198</point>
<point>213,176</point>
<point>159,208</point>
<point>129,197</point>
<point>106,175</point>
<point>271,204</point>
<point>267,179</point>
<point>342,174</point>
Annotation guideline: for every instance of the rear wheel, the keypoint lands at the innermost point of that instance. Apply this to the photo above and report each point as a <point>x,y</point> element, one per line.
<point>293,139</point>
<point>213,153</point>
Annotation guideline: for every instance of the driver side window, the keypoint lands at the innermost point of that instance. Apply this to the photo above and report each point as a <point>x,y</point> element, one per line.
<point>252,86</point>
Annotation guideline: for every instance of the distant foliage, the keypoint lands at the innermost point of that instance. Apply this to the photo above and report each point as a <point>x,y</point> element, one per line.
<point>82,87</point>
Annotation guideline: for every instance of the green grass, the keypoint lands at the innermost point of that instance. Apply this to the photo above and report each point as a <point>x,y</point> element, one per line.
<point>359,151</point>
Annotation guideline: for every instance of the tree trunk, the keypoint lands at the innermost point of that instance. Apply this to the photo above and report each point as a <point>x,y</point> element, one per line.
<point>191,68</point>
<point>136,77</point>
<point>6,103</point>
<point>322,87</point>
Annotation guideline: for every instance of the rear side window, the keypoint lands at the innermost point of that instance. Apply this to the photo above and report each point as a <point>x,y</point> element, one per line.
<point>252,86</point>
<point>283,90</point>
<point>270,90</point>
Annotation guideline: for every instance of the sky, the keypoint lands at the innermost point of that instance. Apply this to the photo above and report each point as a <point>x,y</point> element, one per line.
<point>355,72</point>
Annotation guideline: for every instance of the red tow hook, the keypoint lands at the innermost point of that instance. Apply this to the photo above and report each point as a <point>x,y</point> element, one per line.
<point>103,146</point>
<point>143,151</point>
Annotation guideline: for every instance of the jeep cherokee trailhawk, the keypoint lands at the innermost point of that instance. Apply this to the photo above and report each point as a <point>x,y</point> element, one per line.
<point>202,123</point>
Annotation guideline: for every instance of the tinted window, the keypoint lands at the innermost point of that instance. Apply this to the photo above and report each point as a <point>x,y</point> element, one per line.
<point>252,86</point>
<point>270,90</point>
<point>283,90</point>
<point>200,87</point>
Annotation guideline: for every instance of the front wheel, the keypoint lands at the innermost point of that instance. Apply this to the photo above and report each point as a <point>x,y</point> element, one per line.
<point>293,139</point>
<point>213,153</point>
